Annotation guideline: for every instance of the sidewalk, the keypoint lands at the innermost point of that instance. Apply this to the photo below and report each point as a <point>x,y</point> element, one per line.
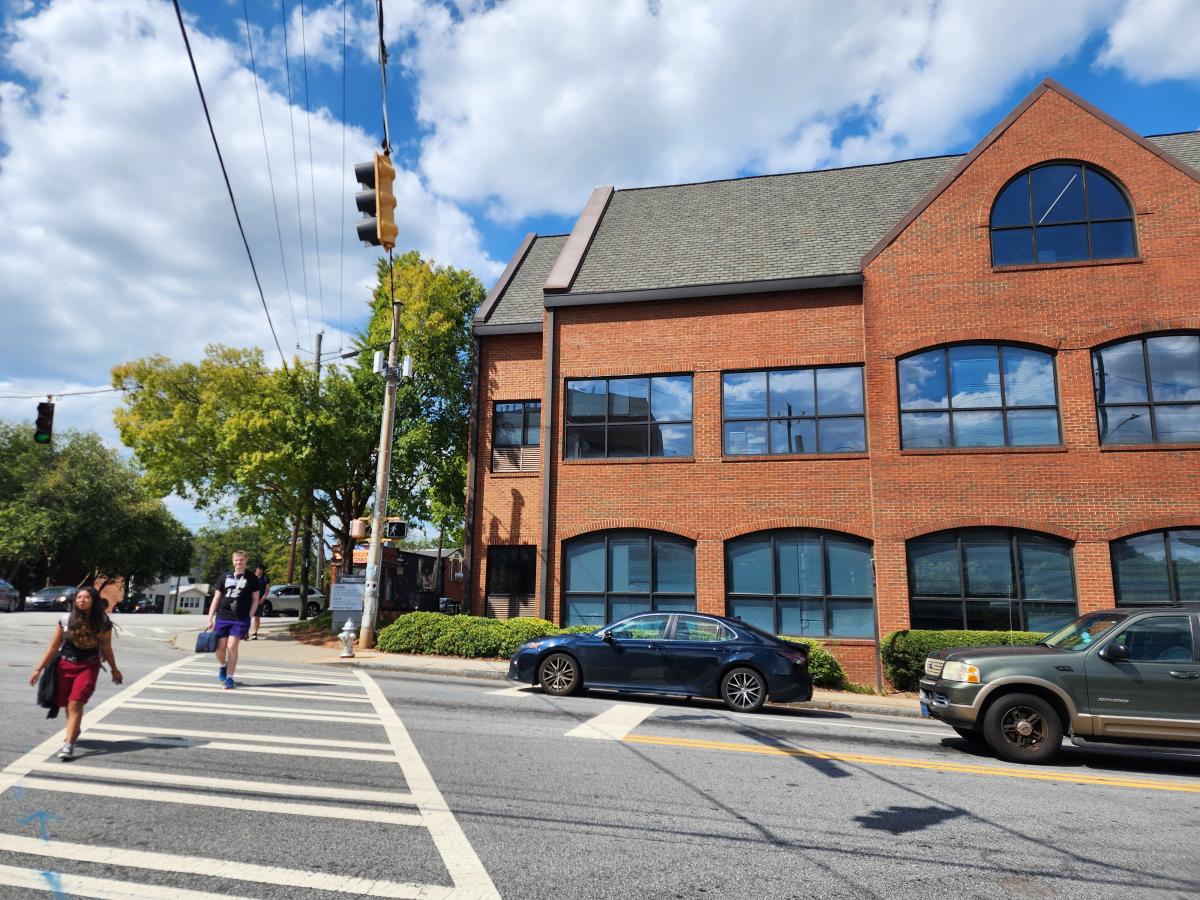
<point>276,644</point>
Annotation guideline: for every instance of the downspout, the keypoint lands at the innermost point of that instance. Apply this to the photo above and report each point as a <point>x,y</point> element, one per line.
<point>547,468</point>
<point>472,439</point>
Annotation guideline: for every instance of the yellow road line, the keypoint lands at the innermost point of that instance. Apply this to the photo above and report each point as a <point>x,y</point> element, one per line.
<point>958,768</point>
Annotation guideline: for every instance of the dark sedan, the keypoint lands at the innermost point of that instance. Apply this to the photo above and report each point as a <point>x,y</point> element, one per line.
<point>670,653</point>
<point>57,597</point>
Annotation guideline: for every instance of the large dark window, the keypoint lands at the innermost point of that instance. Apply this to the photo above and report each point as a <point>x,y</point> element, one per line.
<point>516,424</point>
<point>793,411</point>
<point>629,417</point>
<point>801,583</point>
<point>978,395</point>
<point>1061,212</point>
<point>1157,567</point>
<point>1148,390</point>
<point>613,574</point>
<point>510,571</point>
<point>990,581</point>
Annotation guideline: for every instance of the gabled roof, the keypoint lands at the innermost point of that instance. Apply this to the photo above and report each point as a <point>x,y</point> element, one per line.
<point>743,235</point>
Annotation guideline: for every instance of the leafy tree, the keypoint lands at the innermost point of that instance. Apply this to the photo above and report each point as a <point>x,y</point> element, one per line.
<point>214,548</point>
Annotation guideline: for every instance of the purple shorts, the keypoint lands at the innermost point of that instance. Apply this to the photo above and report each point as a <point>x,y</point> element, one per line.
<point>238,628</point>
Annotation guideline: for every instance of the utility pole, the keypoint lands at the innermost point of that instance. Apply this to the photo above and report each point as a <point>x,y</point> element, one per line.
<point>383,472</point>
<point>306,552</point>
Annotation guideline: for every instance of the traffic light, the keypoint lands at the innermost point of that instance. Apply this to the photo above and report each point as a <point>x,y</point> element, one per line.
<point>377,203</point>
<point>44,427</point>
<point>395,531</point>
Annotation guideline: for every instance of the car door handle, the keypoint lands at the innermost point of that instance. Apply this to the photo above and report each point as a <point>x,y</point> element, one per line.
<point>654,646</point>
<point>1186,676</point>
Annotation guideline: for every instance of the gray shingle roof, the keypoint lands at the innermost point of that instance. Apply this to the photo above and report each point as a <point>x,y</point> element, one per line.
<point>806,224</point>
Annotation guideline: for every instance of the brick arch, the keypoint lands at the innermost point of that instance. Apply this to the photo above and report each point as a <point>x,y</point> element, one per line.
<point>782,524</point>
<point>1021,523</point>
<point>1155,523</point>
<point>627,525</point>
<point>1143,327</point>
<point>999,334</point>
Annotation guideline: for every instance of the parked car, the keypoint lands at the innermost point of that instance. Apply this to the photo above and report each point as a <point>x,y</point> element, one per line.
<point>1115,679</point>
<point>10,600</point>
<point>284,599</point>
<point>56,597</point>
<point>670,653</point>
<point>148,605</point>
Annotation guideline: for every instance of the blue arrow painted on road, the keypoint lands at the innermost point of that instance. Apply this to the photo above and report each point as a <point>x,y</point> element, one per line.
<point>17,792</point>
<point>56,887</point>
<point>41,817</point>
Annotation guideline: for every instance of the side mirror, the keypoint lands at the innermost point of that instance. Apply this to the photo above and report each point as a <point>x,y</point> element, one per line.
<point>606,635</point>
<point>1114,653</point>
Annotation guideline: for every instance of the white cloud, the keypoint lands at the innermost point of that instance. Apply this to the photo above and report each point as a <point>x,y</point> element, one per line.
<point>1151,41</point>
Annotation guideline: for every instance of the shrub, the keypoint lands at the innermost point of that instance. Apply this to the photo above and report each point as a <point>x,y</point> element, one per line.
<point>904,652</point>
<point>469,636</point>
<point>581,629</point>
<point>413,633</point>
<point>515,632</point>
<point>823,666</point>
<point>322,622</point>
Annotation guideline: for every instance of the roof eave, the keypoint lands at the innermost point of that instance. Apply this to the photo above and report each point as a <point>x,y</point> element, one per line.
<point>723,289</point>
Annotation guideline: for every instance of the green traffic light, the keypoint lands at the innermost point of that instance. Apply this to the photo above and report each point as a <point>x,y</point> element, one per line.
<point>41,438</point>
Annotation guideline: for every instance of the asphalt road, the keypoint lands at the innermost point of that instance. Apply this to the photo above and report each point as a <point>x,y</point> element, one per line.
<point>307,782</point>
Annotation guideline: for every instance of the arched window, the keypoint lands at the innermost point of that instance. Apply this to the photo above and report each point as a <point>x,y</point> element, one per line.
<point>1157,567</point>
<point>799,582</point>
<point>1061,212</point>
<point>978,395</point>
<point>990,580</point>
<point>1148,390</point>
<point>609,575</point>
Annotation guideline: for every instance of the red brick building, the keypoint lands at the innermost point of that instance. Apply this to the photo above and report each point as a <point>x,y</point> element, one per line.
<point>952,392</point>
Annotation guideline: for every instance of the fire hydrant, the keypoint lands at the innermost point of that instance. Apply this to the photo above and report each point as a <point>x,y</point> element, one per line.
<point>347,637</point>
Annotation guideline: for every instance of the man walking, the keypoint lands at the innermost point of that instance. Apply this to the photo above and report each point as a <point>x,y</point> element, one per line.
<point>233,605</point>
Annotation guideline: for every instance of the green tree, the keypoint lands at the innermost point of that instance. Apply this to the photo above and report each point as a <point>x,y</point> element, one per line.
<point>214,546</point>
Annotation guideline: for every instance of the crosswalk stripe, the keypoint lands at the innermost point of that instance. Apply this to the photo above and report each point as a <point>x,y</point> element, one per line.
<point>200,704</point>
<point>250,712</point>
<point>242,675</point>
<point>269,749</point>
<point>308,742</point>
<point>189,798</point>
<point>138,858</point>
<point>276,670</point>
<point>240,785</point>
<point>68,884</point>
<point>614,723</point>
<point>260,692</point>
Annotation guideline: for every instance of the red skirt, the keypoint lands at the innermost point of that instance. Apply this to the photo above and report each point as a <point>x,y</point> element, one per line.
<point>76,681</point>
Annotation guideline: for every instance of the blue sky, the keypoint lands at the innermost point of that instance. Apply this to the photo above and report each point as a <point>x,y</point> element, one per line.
<point>116,238</point>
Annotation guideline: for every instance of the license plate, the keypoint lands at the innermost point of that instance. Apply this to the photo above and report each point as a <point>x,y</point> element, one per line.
<point>924,709</point>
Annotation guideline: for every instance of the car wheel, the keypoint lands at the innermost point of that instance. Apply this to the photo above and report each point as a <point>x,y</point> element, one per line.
<point>559,674</point>
<point>743,690</point>
<point>266,610</point>
<point>312,609</point>
<point>971,735</point>
<point>1023,728</point>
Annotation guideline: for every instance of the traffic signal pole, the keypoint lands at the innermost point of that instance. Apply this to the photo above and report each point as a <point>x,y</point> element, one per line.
<point>306,552</point>
<point>383,472</point>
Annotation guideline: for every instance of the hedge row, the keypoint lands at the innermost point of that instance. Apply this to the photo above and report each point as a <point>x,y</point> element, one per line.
<point>476,636</point>
<point>904,652</point>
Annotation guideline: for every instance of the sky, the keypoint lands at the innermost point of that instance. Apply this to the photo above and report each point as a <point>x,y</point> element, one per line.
<point>117,239</point>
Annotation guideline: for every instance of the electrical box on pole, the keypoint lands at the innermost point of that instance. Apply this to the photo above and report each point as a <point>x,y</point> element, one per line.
<point>377,203</point>
<point>43,432</point>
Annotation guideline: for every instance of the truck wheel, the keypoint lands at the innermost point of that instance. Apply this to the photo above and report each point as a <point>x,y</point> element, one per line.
<point>1023,728</point>
<point>971,735</point>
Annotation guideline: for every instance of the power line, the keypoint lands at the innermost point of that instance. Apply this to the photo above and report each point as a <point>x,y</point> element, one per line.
<point>270,176</point>
<point>296,175</point>
<point>57,394</point>
<point>345,177</point>
<point>312,183</point>
<point>228,186</point>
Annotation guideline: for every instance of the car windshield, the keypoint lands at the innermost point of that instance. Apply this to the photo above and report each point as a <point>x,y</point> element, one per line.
<point>54,591</point>
<point>1080,634</point>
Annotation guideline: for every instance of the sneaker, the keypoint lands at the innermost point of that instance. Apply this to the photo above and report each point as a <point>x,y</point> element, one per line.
<point>254,637</point>
<point>67,751</point>
<point>229,683</point>
<point>221,674</point>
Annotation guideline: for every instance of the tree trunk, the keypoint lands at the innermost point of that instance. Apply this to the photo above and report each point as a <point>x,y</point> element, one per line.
<point>439,584</point>
<point>291,572</point>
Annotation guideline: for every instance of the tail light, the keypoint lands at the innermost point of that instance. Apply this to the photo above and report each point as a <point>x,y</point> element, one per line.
<point>799,656</point>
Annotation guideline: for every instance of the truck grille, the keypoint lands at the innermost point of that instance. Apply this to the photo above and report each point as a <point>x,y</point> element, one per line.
<point>934,667</point>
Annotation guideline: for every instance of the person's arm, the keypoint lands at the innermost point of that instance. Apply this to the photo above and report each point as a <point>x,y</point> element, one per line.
<point>254,600</point>
<point>51,652</point>
<point>106,650</point>
<point>212,609</point>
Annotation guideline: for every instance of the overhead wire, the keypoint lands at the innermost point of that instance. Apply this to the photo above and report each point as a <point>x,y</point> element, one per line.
<point>270,175</point>
<point>58,394</point>
<point>228,186</point>
<point>346,180</point>
<point>287,67</point>
<point>312,181</point>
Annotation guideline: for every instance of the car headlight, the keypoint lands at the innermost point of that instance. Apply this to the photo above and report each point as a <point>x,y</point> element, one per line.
<point>960,671</point>
<point>533,645</point>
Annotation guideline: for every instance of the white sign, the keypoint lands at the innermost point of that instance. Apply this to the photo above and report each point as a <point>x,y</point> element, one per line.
<point>347,593</point>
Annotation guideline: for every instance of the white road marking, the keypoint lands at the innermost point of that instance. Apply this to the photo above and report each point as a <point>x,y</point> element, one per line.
<point>331,696</point>
<point>14,771</point>
<point>270,749</point>
<point>516,692</point>
<point>614,723</point>
<point>471,879</point>
<point>257,712</point>
<point>272,670</point>
<point>210,675</point>
<point>240,785</point>
<point>102,888</point>
<point>306,742</point>
<point>220,868</point>
<point>189,798</point>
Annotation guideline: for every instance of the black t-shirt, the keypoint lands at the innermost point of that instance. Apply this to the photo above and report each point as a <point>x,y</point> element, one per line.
<point>237,594</point>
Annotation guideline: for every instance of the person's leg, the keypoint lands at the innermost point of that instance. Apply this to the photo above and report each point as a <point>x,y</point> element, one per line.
<point>221,657</point>
<point>74,720</point>
<point>257,622</point>
<point>231,655</point>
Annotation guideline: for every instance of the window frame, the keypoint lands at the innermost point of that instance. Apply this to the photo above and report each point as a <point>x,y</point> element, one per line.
<point>776,595</point>
<point>1014,562</point>
<point>525,409</point>
<point>1086,221</point>
<point>1164,612</point>
<point>607,425</point>
<point>516,549</point>
<point>1003,409</point>
<point>608,593</point>
<point>815,418</point>
<point>1168,561</point>
<point>1150,404</point>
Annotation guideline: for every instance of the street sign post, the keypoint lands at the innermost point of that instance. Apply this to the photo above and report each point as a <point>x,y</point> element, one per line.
<point>346,600</point>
